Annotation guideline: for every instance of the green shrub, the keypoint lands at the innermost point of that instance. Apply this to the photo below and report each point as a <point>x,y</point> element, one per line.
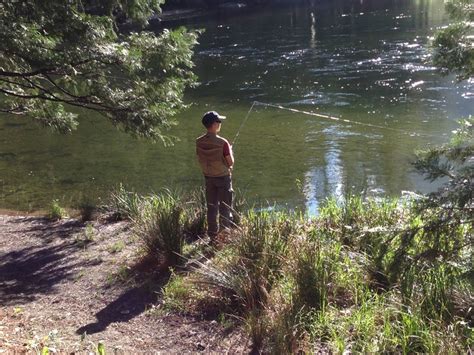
<point>301,285</point>
<point>306,285</point>
<point>56,212</point>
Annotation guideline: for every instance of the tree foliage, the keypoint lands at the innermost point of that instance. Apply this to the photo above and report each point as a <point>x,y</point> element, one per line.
<point>453,45</point>
<point>57,55</point>
<point>452,205</point>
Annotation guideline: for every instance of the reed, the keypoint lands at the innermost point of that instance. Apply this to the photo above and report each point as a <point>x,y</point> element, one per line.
<point>160,226</point>
<point>364,276</point>
<point>124,204</point>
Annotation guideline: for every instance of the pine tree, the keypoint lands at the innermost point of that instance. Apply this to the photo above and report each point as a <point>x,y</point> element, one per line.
<point>453,49</point>
<point>452,205</point>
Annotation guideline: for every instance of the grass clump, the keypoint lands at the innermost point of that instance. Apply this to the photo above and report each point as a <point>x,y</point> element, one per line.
<point>164,222</point>
<point>160,226</point>
<point>117,247</point>
<point>179,295</point>
<point>176,293</point>
<point>246,272</point>
<point>87,236</point>
<point>364,276</point>
<point>194,206</point>
<point>86,210</point>
<point>56,212</point>
<point>124,205</point>
<point>123,274</point>
<point>251,264</point>
<point>313,273</point>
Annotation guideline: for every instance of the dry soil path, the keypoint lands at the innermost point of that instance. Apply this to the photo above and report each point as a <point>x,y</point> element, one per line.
<point>68,286</point>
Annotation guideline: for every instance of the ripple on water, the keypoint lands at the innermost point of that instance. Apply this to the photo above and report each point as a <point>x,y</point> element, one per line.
<point>389,82</point>
<point>433,101</point>
<point>341,103</point>
<point>412,67</point>
<point>314,101</point>
<point>325,98</point>
<point>438,88</point>
<point>340,131</point>
<point>211,52</point>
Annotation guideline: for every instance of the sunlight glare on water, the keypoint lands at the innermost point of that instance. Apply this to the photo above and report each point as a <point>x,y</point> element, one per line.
<point>369,63</point>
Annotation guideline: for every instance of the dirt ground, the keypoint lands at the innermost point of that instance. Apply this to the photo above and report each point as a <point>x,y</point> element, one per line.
<point>69,286</point>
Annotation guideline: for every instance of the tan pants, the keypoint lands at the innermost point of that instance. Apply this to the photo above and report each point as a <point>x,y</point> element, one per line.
<point>219,200</point>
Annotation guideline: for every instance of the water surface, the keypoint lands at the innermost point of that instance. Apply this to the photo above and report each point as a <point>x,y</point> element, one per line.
<point>368,63</point>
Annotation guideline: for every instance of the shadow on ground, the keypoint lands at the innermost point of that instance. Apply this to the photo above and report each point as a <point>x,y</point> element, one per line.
<point>26,273</point>
<point>127,306</point>
<point>46,229</point>
<point>45,255</point>
<point>32,270</point>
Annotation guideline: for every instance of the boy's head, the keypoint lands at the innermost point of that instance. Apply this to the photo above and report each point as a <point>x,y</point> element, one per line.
<point>212,121</point>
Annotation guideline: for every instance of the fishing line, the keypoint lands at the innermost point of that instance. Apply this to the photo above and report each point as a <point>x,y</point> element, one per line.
<point>337,119</point>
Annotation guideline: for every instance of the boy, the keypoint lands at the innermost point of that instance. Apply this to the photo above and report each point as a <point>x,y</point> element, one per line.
<point>216,160</point>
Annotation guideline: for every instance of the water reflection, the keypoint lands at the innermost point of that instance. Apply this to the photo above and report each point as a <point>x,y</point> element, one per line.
<point>312,42</point>
<point>363,61</point>
<point>327,178</point>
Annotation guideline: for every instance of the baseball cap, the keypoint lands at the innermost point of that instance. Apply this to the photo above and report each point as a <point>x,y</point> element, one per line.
<point>211,117</point>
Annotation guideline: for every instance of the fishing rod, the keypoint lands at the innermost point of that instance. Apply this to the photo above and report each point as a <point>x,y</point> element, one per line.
<point>243,123</point>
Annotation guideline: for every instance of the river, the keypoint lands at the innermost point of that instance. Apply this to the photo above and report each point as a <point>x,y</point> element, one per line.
<point>367,63</point>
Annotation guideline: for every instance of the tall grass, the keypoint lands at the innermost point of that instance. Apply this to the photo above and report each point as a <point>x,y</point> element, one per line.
<point>160,225</point>
<point>365,276</point>
<point>124,204</point>
<point>254,259</point>
<point>194,205</point>
<point>164,222</point>
<point>379,325</point>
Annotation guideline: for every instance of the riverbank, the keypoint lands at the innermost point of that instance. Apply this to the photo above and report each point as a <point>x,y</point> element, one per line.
<point>68,285</point>
<point>363,276</point>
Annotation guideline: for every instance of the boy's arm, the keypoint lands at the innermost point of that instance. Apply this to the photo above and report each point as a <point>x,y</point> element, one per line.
<point>228,155</point>
<point>230,160</point>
